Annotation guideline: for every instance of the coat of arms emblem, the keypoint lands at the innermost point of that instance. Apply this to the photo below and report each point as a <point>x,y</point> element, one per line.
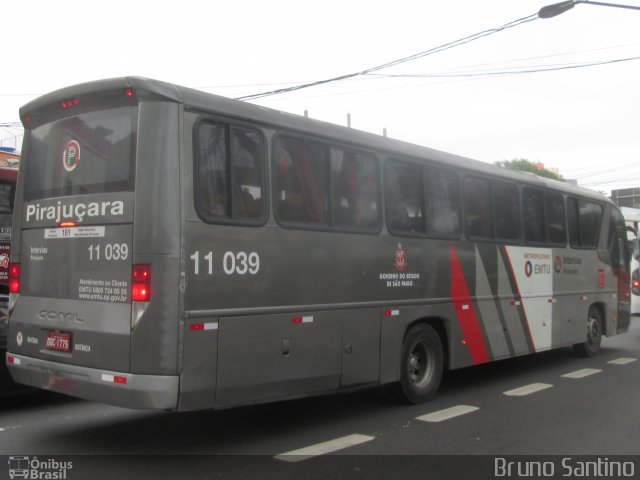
<point>401,262</point>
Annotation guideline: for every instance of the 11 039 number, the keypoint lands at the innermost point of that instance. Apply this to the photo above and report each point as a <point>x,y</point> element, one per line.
<point>233,263</point>
<point>110,251</point>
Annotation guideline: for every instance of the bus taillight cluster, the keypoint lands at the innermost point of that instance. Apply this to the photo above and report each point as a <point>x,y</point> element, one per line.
<point>635,282</point>
<point>141,287</point>
<point>14,278</point>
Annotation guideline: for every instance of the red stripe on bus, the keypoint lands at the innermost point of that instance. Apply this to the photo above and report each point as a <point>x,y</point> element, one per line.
<point>465,312</point>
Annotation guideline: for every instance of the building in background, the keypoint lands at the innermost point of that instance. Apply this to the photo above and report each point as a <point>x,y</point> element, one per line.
<point>626,197</point>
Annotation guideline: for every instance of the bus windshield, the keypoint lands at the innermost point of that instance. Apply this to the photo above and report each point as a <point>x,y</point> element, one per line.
<point>88,153</point>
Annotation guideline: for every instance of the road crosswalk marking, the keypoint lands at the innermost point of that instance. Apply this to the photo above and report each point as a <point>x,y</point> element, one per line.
<point>527,389</point>
<point>622,361</point>
<point>585,372</point>
<point>323,448</point>
<point>447,413</point>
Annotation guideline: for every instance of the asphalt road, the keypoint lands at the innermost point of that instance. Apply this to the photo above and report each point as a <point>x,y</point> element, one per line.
<point>549,404</point>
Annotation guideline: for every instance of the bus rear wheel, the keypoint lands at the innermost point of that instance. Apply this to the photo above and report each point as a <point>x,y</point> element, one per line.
<point>422,364</point>
<point>591,346</point>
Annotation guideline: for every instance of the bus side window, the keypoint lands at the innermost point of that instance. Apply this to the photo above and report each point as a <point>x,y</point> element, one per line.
<point>506,207</point>
<point>533,210</point>
<point>443,203</point>
<point>590,216</point>
<point>247,173</point>
<point>403,193</point>
<point>477,208</point>
<point>301,182</point>
<point>211,175</point>
<point>229,174</point>
<point>354,189</point>
<point>554,210</point>
<point>584,222</point>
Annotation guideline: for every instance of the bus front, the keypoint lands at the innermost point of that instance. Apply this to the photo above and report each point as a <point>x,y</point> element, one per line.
<point>88,306</point>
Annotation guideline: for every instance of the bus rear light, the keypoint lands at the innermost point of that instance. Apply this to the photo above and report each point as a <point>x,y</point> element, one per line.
<point>141,287</point>
<point>128,92</point>
<point>67,224</point>
<point>72,102</point>
<point>635,282</point>
<point>14,278</point>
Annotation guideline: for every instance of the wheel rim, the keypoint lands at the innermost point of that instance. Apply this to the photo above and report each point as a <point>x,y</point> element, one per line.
<point>420,365</point>
<point>593,330</point>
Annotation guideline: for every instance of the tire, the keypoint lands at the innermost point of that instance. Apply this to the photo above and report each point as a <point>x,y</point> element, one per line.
<point>591,346</point>
<point>422,363</point>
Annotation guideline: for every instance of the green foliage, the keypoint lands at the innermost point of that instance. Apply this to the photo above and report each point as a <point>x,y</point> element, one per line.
<point>523,165</point>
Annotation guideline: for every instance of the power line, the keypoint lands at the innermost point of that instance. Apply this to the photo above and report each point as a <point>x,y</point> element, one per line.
<point>522,70</point>
<point>393,63</point>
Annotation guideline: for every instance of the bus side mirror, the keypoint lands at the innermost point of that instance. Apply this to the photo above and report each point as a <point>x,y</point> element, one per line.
<point>636,248</point>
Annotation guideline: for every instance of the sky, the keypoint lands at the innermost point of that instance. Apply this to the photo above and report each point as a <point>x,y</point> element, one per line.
<point>476,100</point>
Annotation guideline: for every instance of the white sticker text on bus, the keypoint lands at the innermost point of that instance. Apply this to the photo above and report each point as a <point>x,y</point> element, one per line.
<point>110,251</point>
<point>239,263</point>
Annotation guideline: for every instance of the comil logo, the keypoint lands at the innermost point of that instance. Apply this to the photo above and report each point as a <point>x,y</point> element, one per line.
<point>38,469</point>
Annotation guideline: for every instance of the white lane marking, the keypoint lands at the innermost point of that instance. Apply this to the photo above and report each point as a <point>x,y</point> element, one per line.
<point>585,372</point>
<point>6,429</point>
<point>622,361</point>
<point>323,448</point>
<point>447,413</point>
<point>527,389</point>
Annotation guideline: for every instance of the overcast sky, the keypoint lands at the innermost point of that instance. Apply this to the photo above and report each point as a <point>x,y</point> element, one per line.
<point>582,121</point>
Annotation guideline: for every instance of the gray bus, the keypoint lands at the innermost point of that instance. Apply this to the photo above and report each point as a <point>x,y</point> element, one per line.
<point>178,250</point>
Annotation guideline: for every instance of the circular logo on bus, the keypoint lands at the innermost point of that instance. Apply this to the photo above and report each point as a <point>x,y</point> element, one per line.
<point>557,264</point>
<point>71,155</point>
<point>19,339</point>
<point>528,268</point>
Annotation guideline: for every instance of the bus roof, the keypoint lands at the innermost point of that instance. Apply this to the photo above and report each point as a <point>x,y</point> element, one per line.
<point>194,99</point>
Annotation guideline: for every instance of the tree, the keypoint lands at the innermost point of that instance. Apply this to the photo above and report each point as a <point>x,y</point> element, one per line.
<point>523,165</point>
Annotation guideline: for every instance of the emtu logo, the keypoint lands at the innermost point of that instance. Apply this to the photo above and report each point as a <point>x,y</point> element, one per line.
<point>528,268</point>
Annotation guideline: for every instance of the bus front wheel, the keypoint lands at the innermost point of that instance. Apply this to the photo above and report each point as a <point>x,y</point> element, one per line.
<point>591,346</point>
<point>422,364</point>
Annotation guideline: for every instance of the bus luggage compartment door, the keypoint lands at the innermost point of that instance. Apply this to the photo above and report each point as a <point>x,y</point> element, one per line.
<point>267,357</point>
<point>360,347</point>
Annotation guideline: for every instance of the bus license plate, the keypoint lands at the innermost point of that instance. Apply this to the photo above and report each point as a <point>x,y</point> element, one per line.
<point>60,341</point>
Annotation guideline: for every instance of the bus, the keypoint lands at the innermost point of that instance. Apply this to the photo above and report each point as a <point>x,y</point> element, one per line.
<point>177,250</point>
<point>8,177</point>
<point>632,220</point>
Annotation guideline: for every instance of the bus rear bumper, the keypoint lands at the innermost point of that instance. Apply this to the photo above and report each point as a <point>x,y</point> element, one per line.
<point>115,388</point>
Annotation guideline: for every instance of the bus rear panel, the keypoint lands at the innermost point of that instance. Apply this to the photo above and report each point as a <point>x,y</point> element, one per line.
<point>85,259</point>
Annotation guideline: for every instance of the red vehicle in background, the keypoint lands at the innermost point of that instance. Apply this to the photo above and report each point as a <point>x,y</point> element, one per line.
<point>8,176</point>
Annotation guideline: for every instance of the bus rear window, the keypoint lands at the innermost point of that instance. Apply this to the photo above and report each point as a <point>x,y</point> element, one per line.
<point>88,153</point>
